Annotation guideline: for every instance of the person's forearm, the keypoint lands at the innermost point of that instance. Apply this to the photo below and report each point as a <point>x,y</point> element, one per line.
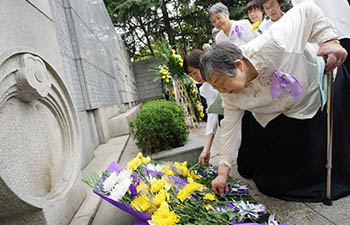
<point>208,142</point>
<point>223,170</point>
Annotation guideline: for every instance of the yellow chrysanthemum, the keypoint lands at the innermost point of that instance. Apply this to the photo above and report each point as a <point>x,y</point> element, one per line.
<point>190,179</point>
<point>193,175</point>
<point>193,186</point>
<point>157,185</point>
<point>141,203</point>
<point>188,189</point>
<point>167,80</point>
<point>139,155</point>
<point>163,216</point>
<point>255,25</point>
<point>134,163</point>
<point>168,172</point>
<point>174,52</point>
<point>146,159</point>
<point>163,76</point>
<point>173,92</point>
<point>142,187</point>
<point>201,114</point>
<point>183,194</point>
<point>182,167</point>
<point>161,197</point>
<point>209,196</point>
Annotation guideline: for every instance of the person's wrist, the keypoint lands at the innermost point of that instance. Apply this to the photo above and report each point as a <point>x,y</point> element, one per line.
<point>333,41</point>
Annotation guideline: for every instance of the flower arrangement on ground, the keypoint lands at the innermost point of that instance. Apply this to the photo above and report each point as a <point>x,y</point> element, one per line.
<point>167,193</point>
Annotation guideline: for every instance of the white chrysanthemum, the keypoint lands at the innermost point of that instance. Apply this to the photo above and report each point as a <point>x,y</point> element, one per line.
<point>109,183</point>
<point>120,189</point>
<point>157,168</point>
<point>124,174</point>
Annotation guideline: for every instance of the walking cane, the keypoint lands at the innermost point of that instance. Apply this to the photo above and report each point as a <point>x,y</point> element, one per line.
<point>328,199</point>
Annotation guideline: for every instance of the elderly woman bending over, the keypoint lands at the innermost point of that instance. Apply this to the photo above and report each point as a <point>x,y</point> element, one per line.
<point>274,77</point>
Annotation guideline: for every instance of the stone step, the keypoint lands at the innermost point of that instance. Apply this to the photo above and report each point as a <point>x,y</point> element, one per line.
<point>118,125</point>
<point>104,155</point>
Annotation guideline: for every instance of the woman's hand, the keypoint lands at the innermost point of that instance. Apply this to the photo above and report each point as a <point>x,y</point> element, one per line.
<point>218,185</point>
<point>335,54</point>
<point>204,157</point>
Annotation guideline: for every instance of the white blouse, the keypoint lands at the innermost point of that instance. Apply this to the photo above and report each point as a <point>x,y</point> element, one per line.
<point>209,93</point>
<point>281,47</point>
<point>336,10</point>
<point>248,34</point>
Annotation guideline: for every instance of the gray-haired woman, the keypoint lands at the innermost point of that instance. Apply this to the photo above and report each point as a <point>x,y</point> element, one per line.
<point>239,32</point>
<point>277,80</point>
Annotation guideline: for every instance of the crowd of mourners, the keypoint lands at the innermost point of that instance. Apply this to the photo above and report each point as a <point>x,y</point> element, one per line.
<point>269,72</point>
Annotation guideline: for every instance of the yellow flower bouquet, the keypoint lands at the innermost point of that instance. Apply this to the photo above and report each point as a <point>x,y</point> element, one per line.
<point>167,193</point>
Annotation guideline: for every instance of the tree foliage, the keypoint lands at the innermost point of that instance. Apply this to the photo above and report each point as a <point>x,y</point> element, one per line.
<point>182,23</point>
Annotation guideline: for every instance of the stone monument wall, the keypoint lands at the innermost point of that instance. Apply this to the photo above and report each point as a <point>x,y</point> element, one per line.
<point>148,88</point>
<point>64,72</point>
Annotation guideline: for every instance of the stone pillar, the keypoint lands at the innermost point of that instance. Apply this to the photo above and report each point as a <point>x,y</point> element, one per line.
<point>40,144</point>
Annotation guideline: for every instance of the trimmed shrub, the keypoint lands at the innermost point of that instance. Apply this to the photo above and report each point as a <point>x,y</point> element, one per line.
<point>160,125</point>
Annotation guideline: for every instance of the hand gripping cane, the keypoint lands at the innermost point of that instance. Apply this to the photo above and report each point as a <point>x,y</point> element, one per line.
<point>328,199</point>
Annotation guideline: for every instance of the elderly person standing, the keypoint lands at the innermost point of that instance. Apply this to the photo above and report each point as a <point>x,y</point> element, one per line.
<point>239,32</point>
<point>338,11</point>
<point>277,80</point>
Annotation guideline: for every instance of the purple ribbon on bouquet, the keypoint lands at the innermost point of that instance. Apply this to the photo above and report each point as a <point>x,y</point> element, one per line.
<point>288,83</point>
<point>236,32</point>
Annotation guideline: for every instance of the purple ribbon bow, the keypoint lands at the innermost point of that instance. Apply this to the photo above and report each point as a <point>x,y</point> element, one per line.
<point>237,31</point>
<point>288,83</point>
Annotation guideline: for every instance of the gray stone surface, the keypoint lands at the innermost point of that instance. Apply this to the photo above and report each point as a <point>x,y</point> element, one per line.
<point>102,116</point>
<point>118,125</point>
<point>40,143</point>
<point>189,152</point>
<point>89,136</point>
<point>146,86</point>
<point>105,154</point>
<point>77,62</point>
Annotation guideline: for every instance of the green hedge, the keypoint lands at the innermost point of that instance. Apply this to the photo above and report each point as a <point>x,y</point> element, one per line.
<point>160,125</point>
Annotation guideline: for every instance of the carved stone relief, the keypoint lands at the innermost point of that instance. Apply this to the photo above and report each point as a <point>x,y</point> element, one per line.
<point>40,142</point>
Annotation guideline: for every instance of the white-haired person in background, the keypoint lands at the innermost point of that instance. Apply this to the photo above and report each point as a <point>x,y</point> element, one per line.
<point>205,46</point>
<point>239,32</point>
<point>277,80</point>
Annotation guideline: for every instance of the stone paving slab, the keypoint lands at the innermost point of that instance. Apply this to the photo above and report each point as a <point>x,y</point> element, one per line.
<point>104,155</point>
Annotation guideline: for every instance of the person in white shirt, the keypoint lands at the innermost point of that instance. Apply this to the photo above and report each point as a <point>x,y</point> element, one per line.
<point>240,32</point>
<point>338,11</point>
<point>273,9</point>
<point>277,80</point>
<point>255,13</point>
<point>191,67</point>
